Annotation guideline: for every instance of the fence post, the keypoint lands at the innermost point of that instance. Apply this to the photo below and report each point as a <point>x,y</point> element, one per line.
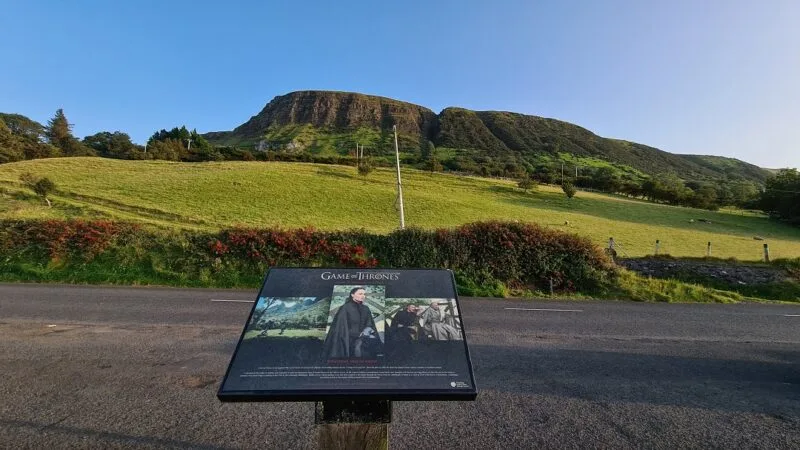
<point>658,245</point>
<point>708,250</point>
<point>766,252</point>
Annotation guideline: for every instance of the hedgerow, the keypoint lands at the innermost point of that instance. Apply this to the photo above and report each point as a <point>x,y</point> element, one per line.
<point>487,257</point>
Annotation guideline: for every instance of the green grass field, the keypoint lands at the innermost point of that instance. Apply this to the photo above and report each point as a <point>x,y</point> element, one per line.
<point>210,196</point>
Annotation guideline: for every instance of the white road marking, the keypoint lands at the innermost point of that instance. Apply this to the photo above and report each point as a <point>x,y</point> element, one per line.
<point>542,309</point>
<point>231,301</point>
<point>791,315</point>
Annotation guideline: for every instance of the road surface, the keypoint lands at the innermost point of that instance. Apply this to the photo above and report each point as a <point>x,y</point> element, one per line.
<point>103,367</point>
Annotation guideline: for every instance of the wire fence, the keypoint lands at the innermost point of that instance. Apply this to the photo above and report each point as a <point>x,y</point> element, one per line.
<point>761,250</point>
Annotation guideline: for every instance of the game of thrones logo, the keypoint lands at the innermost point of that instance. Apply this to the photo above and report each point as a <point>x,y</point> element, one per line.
<point>361,276</point>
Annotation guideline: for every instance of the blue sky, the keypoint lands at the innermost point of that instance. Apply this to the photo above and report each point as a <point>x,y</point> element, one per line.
<point>688,76</point>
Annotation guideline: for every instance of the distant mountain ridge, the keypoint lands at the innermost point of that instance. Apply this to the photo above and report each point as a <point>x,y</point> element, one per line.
<point>328,122</point>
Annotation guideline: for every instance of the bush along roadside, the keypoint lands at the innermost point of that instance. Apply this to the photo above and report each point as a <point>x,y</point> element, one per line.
<point>488,258</point>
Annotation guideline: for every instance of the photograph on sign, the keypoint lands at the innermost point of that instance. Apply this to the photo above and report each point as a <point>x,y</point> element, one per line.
<point>356,322</point>
<point>420,319</point>
<point>288,317</point>
<point>326,333</point>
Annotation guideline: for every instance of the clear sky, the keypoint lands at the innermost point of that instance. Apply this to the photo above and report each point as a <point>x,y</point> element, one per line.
<point>715,77</point>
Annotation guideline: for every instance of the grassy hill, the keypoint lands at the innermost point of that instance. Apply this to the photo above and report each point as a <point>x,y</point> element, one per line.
<point>210,196</point>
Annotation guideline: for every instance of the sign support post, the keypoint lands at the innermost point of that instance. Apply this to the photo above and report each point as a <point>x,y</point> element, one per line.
<point>346,424</point>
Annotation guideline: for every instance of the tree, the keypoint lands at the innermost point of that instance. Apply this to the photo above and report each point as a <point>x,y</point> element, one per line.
<point>23,126</point>
<point>431,162</point>
<point>705,197</point>
<point>41,186</point>
<point>365,166</point>
<point>303,323</point>
<point>170,150</point>
<point>670,188</point>
<point>743,193</point>
<point>266,303</point>
<point>526,183</point>
<point>605,179</point>
<point>650,188</point>
<point>631,189</point>
<point>26,136</point>
<point>10,145</point>
<point>568,189</point>
<point>545,174</point>
<point>112,145</point>
<point>59,134</point>
<point>426,150</point>
<point>512,170</point>
<point>781,197</point>
<point>193,146</point>
<point>58,128</point>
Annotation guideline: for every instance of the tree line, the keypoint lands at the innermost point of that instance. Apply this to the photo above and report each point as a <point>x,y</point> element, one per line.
<point>22,138</point>
<point>663,188</point>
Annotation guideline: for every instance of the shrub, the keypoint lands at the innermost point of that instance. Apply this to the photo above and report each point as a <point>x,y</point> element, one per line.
<point>365,167</point>
<point>40,186</point>
<point>77,240</point>
<point>43,188</point>
<point>569,189</point>
<point>525,184</point>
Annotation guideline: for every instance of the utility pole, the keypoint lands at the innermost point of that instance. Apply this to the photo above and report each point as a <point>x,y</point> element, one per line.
<point>576,172</point>
<point>399,184</point>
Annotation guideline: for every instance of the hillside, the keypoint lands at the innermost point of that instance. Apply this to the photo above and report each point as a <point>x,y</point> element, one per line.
<point>214,195</point>
<point>323,122</point>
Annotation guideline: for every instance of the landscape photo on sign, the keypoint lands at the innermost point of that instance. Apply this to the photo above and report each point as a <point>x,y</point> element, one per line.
<point>422,319</point>
<point>355,327</point>
<point>288,317</point>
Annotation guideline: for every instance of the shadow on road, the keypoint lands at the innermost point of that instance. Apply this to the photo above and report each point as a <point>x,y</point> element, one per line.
<point>105,436</point>
<point>603,376</point>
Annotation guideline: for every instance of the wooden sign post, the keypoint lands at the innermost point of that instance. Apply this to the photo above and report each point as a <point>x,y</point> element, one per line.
<point>344,425</point>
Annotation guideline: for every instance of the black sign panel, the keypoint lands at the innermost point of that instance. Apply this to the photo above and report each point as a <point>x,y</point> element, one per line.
<point>327,334</point>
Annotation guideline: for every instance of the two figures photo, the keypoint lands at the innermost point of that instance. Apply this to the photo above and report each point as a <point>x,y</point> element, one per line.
<point>423,319</point>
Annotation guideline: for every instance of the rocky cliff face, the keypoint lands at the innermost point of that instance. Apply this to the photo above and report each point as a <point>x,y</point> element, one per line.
<point>323,120</point>
<point>340,110</point>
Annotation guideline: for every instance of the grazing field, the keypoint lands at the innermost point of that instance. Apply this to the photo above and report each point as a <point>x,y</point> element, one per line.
<point>210,196</point>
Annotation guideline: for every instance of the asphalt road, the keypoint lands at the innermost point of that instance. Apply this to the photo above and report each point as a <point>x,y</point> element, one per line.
<point>97,367</point>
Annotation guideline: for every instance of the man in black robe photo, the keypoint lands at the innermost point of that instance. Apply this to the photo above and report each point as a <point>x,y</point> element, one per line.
<point>353,333</point>
<point>403,327</point>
